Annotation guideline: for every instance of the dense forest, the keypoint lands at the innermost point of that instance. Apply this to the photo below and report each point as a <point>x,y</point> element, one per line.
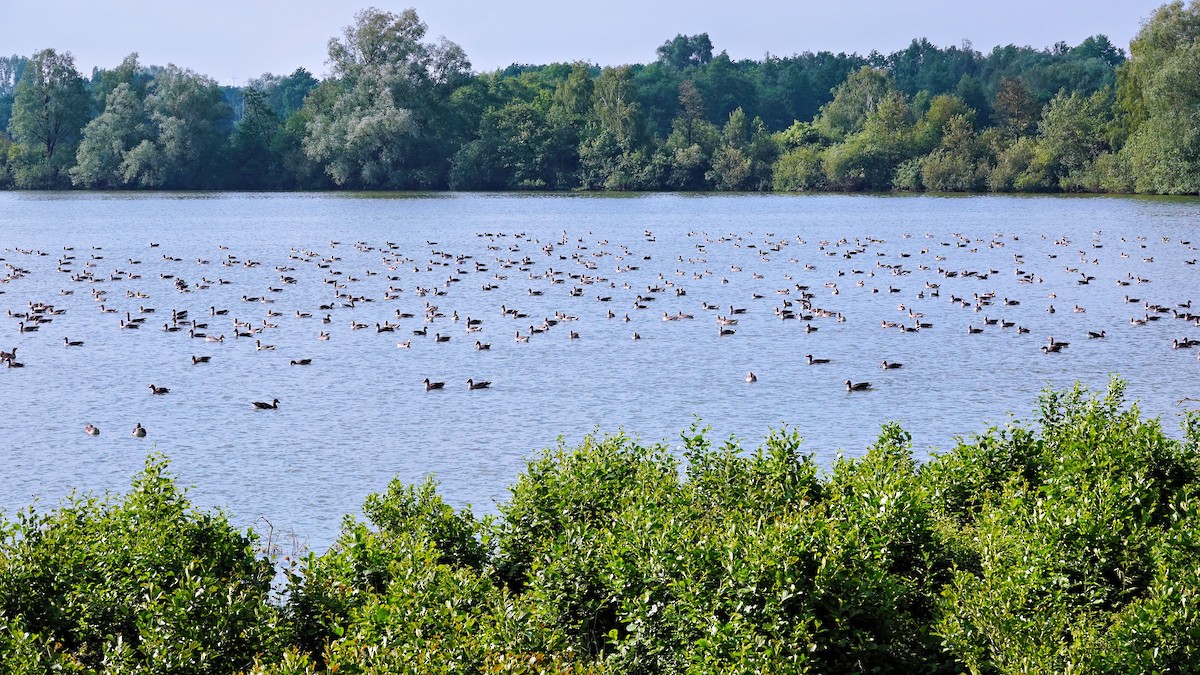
<point>1065,546</point>
<point>399,111</point>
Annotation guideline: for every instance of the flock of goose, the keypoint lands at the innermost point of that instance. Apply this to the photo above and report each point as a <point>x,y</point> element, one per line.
<point>544,286</point>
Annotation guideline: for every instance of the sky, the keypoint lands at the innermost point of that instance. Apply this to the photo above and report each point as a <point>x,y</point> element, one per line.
<point>234,40</point>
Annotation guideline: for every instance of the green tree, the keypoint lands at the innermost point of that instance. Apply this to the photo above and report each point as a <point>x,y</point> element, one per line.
<point>684,51</point>
<point>1160,100</point>
<point>1014,109</point>
<point>50,107</point>
<point>853,101</point>
<point>107,140</point>
<point>376,124</point>
<point>11,70</point>
<point>188,127</point>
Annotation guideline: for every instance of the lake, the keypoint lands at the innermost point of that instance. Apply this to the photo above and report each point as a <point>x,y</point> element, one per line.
<point>854,270</point>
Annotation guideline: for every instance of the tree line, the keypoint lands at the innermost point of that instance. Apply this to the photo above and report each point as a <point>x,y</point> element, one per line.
<point>1065,545</point>
<point>400,111</point>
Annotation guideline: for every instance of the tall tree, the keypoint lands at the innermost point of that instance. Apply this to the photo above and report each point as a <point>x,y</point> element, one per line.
<point>107,140</point>
<point>50,107</point>
<point>376,125</point>
<point>1160,100</point>
<point>189,124</point>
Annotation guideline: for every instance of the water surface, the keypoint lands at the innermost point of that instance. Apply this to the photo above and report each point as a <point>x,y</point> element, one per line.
<point>359,415</point>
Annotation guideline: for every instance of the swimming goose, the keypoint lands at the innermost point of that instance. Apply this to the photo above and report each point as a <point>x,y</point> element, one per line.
<point>815,362</point>
<point>259,405</point>
<point>138,431</point>
<point>429,386</point>
<point>404,345</point>
<point>1092,335</point>
<point>482,345</point>
<point>522,338</point>
<point>751,377</point>
<point>438,337</point>
<point>91,430</point>
<point>892,366</point>
<point>857,386</point>
<point>472,384</point>
<point>261,347</point>
<point>200,359</point>
<point>159,390</point>
<point>301,362</point>
<point>72,343</point>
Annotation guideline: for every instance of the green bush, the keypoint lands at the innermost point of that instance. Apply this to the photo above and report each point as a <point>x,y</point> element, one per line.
<point>1066,545</point>
<point>136,583</point>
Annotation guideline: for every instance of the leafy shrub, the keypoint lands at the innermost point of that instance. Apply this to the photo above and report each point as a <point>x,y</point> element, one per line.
<point>135,583</point>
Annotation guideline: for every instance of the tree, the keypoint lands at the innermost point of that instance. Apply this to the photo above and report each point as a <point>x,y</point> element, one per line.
<point>853,100</point>
<point>377,123</point>
<point>1015,110</point>
<point>1160,100</point>
<point>684,51</point>
<point>11,70</point>
<point>50,107</point>
<point>189,121</point>
<point>108,139</point>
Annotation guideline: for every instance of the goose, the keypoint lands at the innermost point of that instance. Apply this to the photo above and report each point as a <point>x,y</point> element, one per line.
<point>722,332</point>
<point>429,386</point>
<point>322,335</point>
<point>438,337</point>
<point>972,330</point>
<point>636,336</point>
<point>301,362</point>
<point>261,347</point>
<point>1092,335</point>
<point>522,338</point>
<point>159,390</point>
<point>259,405</point>
<point>482,345</point>
<point>572,335</point>
<point>892,366</point>
<point>72,343</point>
<point>168,328</point>
<point>91,430</point>
<point>138,431</point>
<point>815,362</point>
<point>1052,348</point>
<point>857,386</point>
<point>200,359</point>
<point>219,338</point>
<point>472,384</point>
<point>22,328</point>
<point>15,364</point>
<point>404,345</point>
<point>751,377</point>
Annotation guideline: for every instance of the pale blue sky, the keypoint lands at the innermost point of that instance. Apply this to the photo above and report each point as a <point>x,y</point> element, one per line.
<point>239,39</point>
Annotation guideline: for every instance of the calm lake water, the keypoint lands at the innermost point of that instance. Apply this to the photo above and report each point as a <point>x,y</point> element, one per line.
<point>359,414</point>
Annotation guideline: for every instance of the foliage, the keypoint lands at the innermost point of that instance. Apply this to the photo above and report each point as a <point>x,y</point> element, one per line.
<point>1064,545</point>
<point>135,583</point>
<point>49,108</point>
<point>400,111</point>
